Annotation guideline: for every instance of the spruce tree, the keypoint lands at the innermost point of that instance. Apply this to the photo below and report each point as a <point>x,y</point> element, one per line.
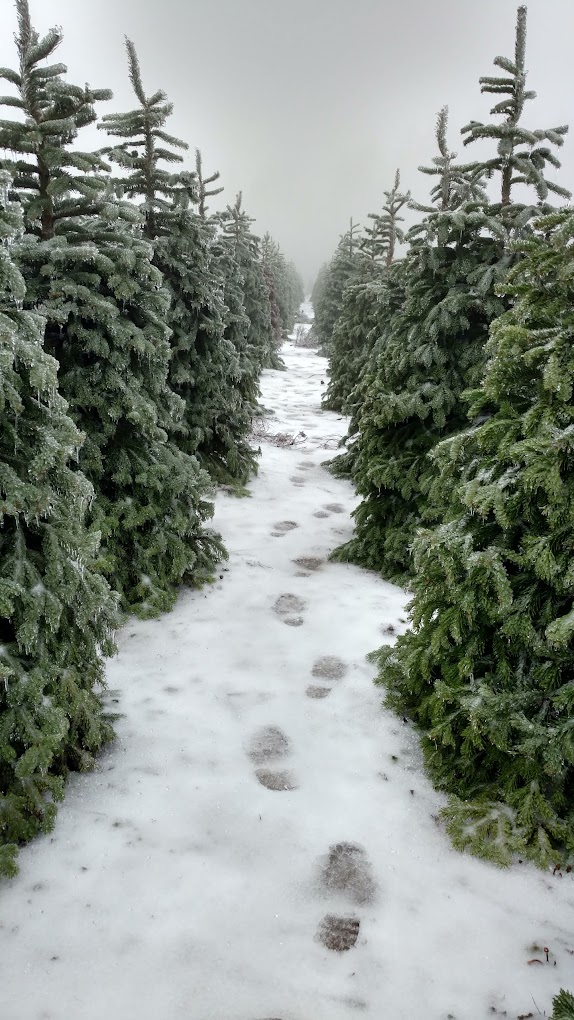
<point>204,366</point>
<point>487,670</point>
<point>89,269</point>
<point>56,612</point>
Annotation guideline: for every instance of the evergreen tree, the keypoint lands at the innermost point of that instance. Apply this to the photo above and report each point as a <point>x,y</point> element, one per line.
<point>381,239</point>
<point>328,292</point>
<point>429,350</point>
<point>487,669</point>
<point>356,328</point>
<point>89,269</point>
<point>203,185</point>
<point>432,349</point>
<point>521,155</point>
<point>378,301</point>
<point>205,366</point>
<point>56,612</point>
<point>247,253</point>
<point>285,291</point>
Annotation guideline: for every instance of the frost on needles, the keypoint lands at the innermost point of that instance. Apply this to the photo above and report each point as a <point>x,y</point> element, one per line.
<point>89,268</point>
<point>487,671</point>
<point>57,613</point>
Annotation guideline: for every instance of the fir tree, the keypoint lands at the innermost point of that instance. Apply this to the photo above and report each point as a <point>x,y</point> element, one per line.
<point>203,183</point>
<point>89,269</point>
<point>328,292</point>
<point>205,366</point>
<point>56,612</point>
<point>433,346</point>
<point>247,253</point>
<point>429,350</point>
<point>356,328</point>
<point>487,669</point>
<point>521,155</point>
<point>381,239</point>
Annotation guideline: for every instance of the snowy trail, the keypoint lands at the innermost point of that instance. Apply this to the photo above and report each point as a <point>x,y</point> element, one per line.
<point>178,885</point>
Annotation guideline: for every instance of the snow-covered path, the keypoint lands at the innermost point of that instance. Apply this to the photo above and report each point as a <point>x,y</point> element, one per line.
<point>178,886</point>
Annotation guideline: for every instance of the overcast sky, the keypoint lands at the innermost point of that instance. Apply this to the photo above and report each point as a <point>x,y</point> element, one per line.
<point>309,106</point>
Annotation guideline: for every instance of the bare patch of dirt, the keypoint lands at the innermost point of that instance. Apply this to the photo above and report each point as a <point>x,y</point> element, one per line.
<point>330,667</point>
<point>276,780</point>
<point>347,869</point>
<point>309,562</point>
<point>335,508</point>
<point>338,933</point>
<point>314,691</point>
<point>267,743</point>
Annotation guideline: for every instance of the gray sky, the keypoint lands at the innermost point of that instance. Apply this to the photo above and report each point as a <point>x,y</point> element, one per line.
<point>309,106</point>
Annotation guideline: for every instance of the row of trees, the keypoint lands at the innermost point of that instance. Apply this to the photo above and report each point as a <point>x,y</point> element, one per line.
<point>455,365</point>
<point>134,327</point>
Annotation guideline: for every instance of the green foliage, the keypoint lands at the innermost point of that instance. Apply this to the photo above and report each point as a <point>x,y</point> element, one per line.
<point>521,155</point>
<point>56,612</point>
<point>356,328</point>
<point>563,1004</point>
<point>285,290</point>
<point>428,351</point>
<point>89,269</point>
<point>246,248</point>
<point>487,670</point>
<point>330,286</point>
<point>205,367</point>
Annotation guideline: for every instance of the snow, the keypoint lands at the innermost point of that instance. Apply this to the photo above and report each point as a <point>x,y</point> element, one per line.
<point>175,885</point>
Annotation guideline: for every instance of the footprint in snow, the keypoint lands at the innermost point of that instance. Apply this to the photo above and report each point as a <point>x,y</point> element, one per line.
<point>268,745</point>
<point>328,667</point>
<point>288,608</point>
<point>297,480</point>
<point>309,562</point>
<point>331,667</point>
<point>346,869</point>
<point>335,508</point>
<point>338,933</point>
<point>320,513</point>
<point>282,527</point>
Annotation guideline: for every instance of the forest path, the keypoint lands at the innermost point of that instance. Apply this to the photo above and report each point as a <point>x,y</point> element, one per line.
<point>260,841</point>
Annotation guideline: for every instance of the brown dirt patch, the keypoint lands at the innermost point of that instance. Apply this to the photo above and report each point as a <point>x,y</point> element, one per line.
<point>338,933</point>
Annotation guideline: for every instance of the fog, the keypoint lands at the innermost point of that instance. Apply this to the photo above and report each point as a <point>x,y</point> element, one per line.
<point>309,106</point>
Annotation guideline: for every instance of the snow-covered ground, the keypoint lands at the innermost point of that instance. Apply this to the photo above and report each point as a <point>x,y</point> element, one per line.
<point>178,886</point>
